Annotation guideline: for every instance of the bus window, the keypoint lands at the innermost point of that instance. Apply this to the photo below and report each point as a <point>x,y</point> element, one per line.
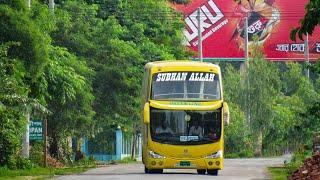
<point>181,127</point>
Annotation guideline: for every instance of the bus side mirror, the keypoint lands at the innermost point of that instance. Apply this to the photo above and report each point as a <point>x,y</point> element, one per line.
<point>146,113</point>
<point>226,113</point>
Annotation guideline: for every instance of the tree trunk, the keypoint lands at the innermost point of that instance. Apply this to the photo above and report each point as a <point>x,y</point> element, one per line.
<point>25,138</point>
<point>258,149</point>
<point>133,146</point>
<point>54,149</point>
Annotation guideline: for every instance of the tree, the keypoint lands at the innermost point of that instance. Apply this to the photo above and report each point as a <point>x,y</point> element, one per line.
<point>316,67</point>
<point>12,93</point>
<point>69,97</point>
<point>257,89</point>
<point>116,39</point>
<point>234,86</point>
<point>21,66</point>
<point>264,86</point>
<point>238,141</point>
<point>180,1</point>
<point>310,20</point>
<point>50,74</point>
<point>297,91</point>
<point>34,44</point>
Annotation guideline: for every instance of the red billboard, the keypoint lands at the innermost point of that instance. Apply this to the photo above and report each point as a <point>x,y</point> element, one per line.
<point>223,23</point>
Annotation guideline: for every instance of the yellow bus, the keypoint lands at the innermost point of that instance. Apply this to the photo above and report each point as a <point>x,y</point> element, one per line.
<point>183,117</point>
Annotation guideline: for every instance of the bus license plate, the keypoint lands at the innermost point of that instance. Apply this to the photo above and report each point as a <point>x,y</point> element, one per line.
<point>184,163</point>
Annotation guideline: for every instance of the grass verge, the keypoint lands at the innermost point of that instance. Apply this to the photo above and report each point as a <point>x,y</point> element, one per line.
<point>278,173</point>
<point>39,172</point>
<point>126,160</point>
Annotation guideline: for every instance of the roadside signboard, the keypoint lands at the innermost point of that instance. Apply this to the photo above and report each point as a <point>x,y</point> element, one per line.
<point>35,130</point>
<point>270,20</point>
<point>316,143</point>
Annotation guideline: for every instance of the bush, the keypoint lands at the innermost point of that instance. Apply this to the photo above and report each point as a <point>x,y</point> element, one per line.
<point>238,142</point>
<point>10,136</point>
<point>85,162</point>
<point>36,153</point>
<point>19,162</point>
<point>126,160</point>
<point>232,155</point>
<point>297,159</point>
<point>24,163</point>
<point>245,153</point>
<point>248,153</point>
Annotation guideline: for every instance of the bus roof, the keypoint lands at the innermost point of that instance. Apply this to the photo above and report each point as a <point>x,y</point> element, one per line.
<point>176,63</point>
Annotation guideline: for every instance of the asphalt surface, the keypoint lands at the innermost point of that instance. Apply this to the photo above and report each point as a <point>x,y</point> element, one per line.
<point>255,168</point>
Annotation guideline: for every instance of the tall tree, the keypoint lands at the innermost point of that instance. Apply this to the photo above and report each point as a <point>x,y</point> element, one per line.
<point>264,86</point>
<point>13,93</point>
<point>116,42</point>
<point>69,97</point>
<point>51,75</point>
<point>34,44</point>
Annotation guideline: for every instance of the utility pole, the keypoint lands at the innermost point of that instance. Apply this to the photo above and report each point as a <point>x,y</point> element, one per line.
<point>245,65</point>
<point>246,61</point>
<point>200,48</point>
<point>51,5</point>
<point>25,138</point>
<point>199,35</point>
<point>306,54</point>
<point>28,2</point>
<point>45,149</point>
<point>246,44</point>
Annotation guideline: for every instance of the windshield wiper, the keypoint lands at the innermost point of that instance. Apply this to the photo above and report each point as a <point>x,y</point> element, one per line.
<point>206,139</point>
<point>163,139</point>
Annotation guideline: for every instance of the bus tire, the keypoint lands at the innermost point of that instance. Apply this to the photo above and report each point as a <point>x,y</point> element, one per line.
<point>152,171</point>
<point>201,171</point>
<point>158,171</point>
<point>213,172</point>
<point>146,170</point>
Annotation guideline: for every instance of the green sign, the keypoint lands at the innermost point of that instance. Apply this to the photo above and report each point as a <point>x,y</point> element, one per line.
<point>35,130</point>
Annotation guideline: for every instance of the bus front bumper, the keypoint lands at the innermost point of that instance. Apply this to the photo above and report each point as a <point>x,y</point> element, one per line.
<point>173,163</point>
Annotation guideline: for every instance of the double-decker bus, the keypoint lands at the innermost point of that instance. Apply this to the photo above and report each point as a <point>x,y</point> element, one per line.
<point>183,117</point>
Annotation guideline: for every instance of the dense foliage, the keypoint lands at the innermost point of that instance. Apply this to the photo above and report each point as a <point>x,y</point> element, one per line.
<point>274,110</point>
<point>83,63</point>
<point>309,22</point>
<point>12,93</point>
<point>80,67</point>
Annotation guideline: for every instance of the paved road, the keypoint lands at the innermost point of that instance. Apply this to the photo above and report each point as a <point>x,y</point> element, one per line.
<point>234,169</point>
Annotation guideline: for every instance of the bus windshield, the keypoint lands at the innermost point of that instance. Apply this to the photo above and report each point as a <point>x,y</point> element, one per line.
<point>182,127</point>
<point>188,86</point>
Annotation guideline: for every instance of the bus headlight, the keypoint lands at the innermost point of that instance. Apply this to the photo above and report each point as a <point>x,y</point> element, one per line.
<point>155,155</point>
<point>215,155</point>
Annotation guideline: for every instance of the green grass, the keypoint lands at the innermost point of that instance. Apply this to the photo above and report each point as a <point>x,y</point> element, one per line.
<point>39,173</point>
<point>42,177</point>
<point>126,160</point>
<point>278,173</point>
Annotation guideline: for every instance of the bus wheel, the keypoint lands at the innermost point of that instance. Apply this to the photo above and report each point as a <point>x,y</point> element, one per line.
<point>146,170</point>
<point>153,171</point>
<point>158,171</point>
<point>213,172</point>
<point>201,171</point>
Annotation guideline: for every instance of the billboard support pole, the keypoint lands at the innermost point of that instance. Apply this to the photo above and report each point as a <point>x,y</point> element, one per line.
<point>246,55</point>
<point>28,3</point>
<point>199,35</point>
<point>25,138</point>
<point>45,139</point>
<point>246,43</point>
<point>51,5</point>
<point>306,54</point>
